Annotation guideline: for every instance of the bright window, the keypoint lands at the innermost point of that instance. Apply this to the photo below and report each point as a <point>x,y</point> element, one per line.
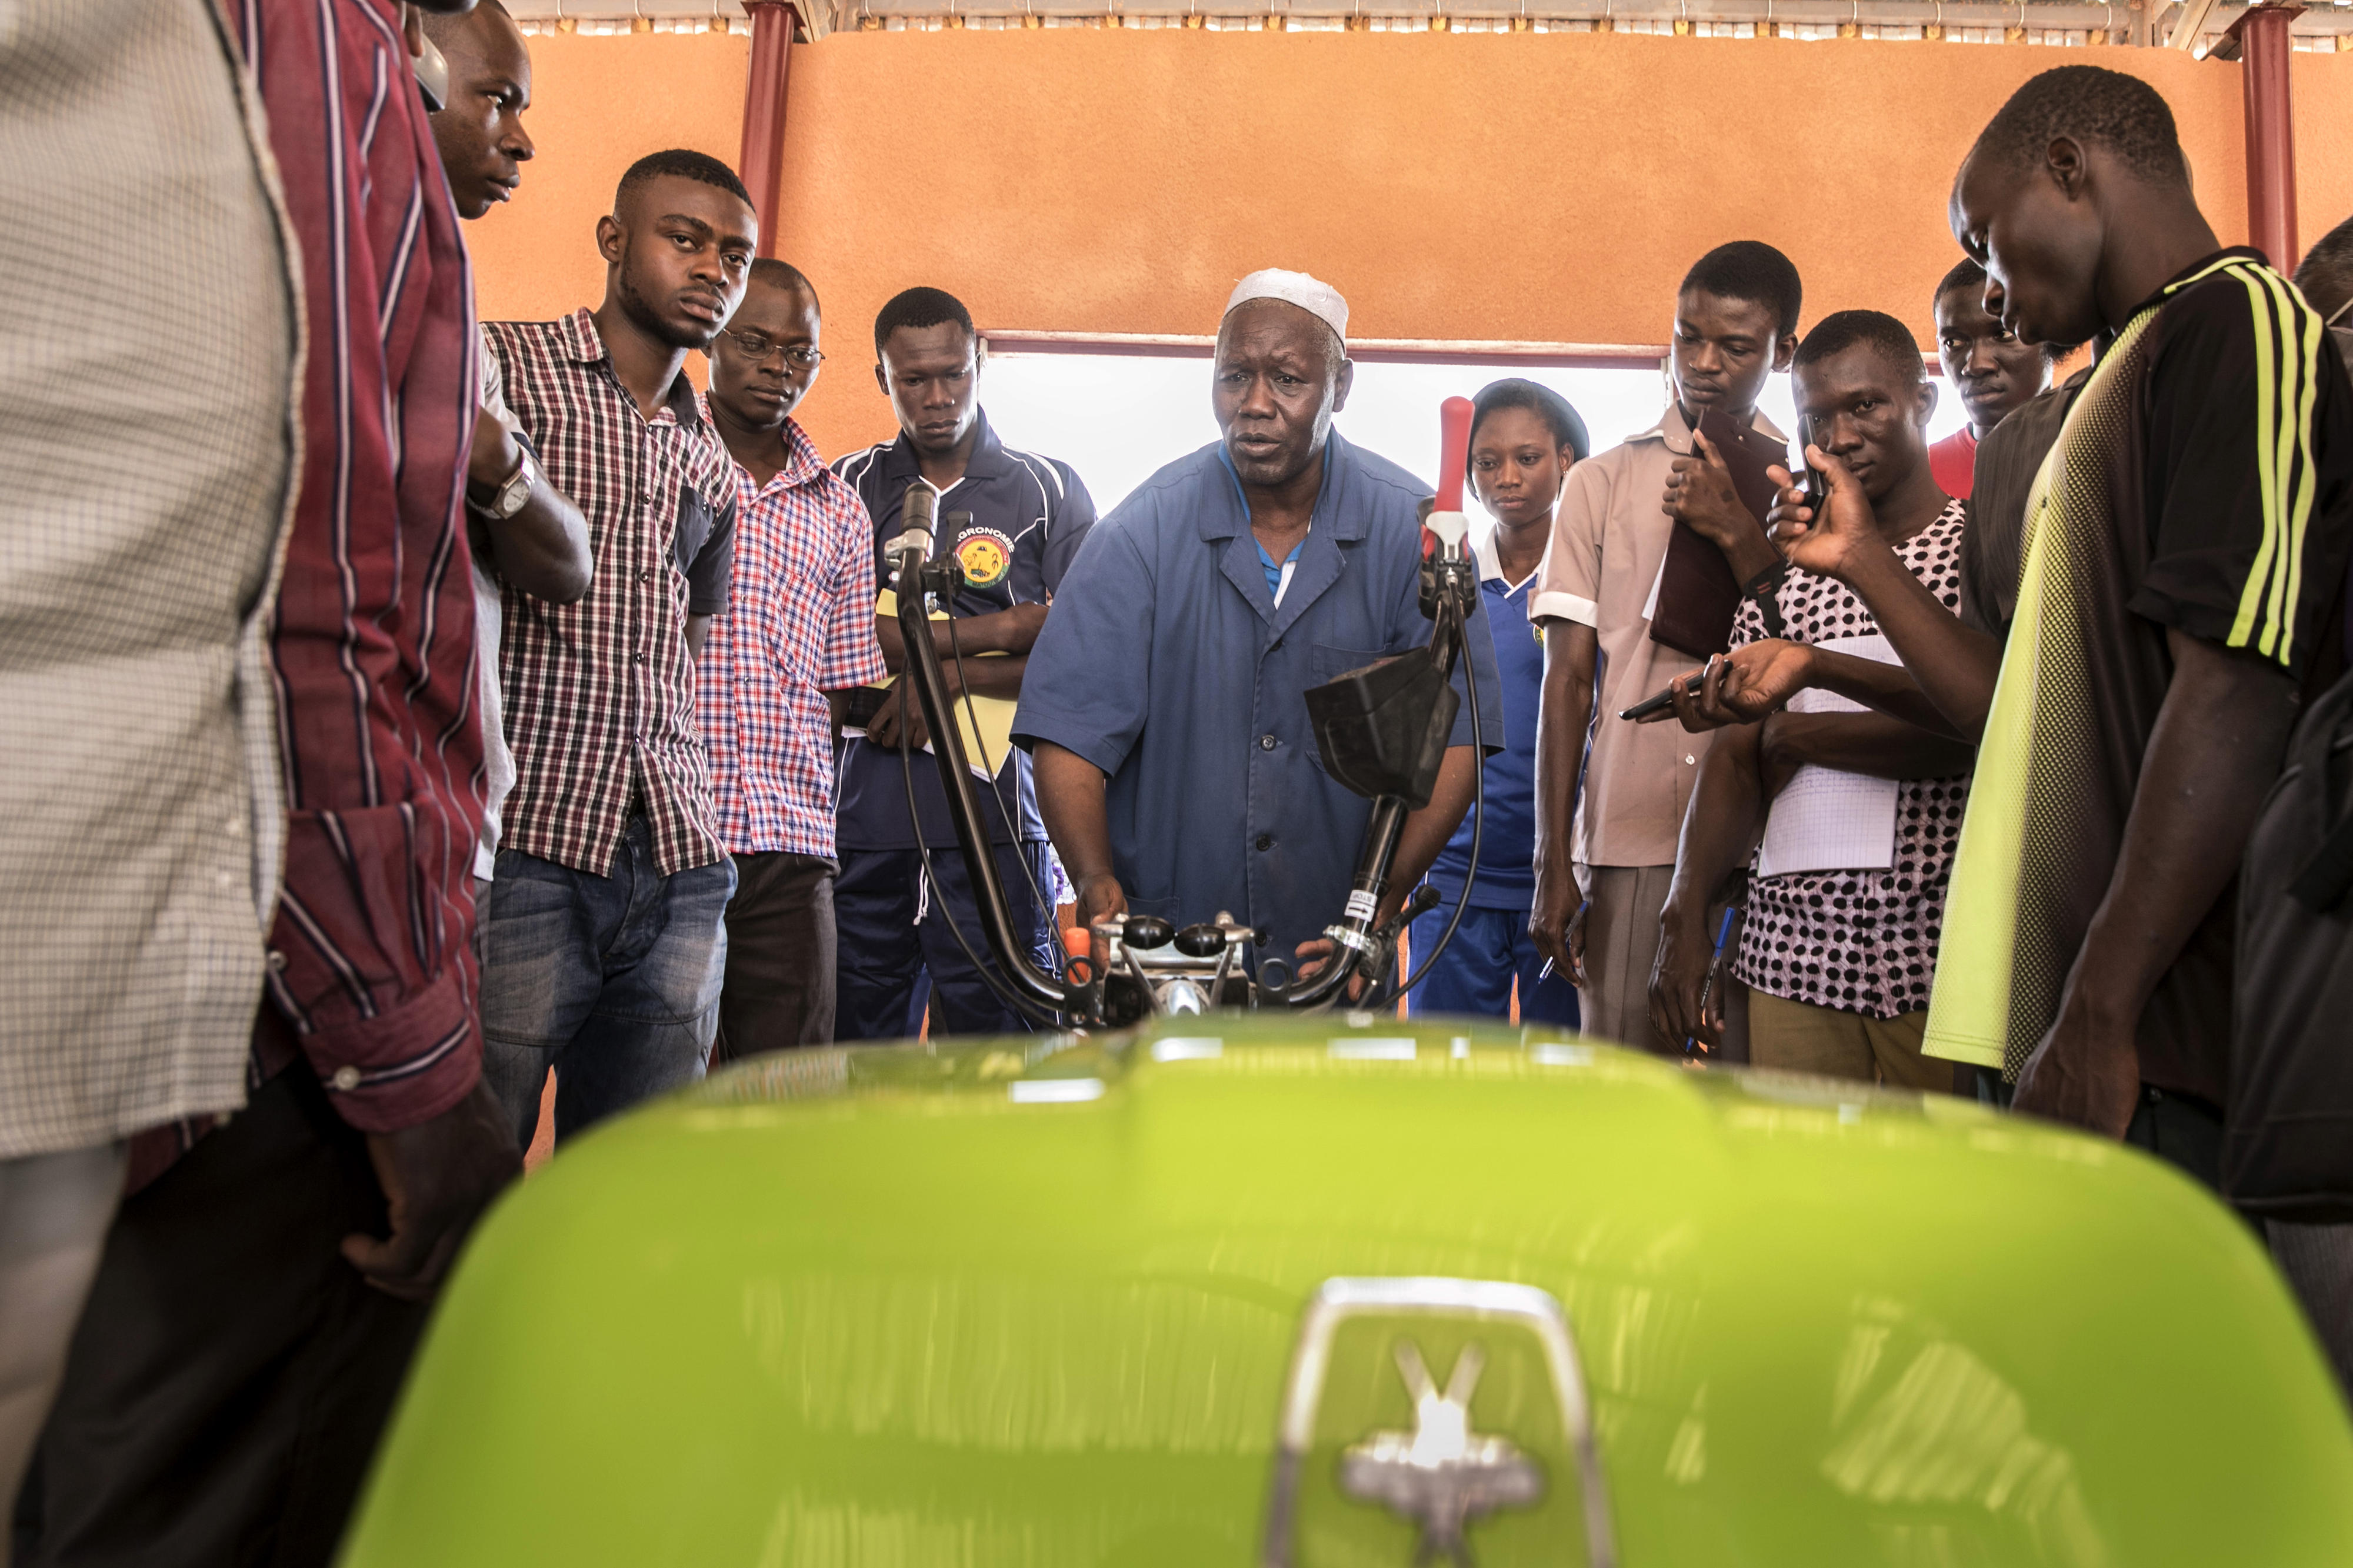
<point>1118,418</point>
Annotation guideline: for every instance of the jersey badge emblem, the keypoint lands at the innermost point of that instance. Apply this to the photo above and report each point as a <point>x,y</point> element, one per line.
<point>986,556</point>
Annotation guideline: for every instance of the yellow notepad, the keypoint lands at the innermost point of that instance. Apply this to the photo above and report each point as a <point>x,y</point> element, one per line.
<point>987,743</point>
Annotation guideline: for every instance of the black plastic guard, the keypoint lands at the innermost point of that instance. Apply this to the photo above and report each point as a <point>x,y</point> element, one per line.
<point>1383,730</point>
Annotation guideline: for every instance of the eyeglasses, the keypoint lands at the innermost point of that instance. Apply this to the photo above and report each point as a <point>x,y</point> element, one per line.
<point>759,346</point>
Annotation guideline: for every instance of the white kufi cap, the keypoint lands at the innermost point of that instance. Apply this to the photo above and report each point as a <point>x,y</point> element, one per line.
<point>1312,295</point>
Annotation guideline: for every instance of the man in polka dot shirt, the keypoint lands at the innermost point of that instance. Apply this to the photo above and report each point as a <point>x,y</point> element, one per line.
<point>1839,948</point>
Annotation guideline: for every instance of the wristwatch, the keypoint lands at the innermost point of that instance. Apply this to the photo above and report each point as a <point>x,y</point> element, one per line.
<point>510,497</point>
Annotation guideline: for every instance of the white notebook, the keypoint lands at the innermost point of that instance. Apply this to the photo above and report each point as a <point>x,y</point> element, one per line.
<point>1825,820</point>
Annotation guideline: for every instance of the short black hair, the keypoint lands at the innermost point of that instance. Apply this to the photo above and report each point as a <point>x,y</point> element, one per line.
<point>1843,330</point>
<point>1753,270</point>
<point>687,165</point>
<point>780,274</point>
<point>1568,429</point>
<point>2089,103</point>
<point>1966,273</point>
<point>1969,274</point>
<point>2325,273</point>
<point>920,308</point>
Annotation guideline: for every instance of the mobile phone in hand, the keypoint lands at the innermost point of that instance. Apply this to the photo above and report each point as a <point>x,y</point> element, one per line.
<point>1664,701</point>
<point>1818,492</point>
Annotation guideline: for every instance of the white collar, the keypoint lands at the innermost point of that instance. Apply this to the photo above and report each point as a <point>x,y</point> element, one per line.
<point>1491,562</point>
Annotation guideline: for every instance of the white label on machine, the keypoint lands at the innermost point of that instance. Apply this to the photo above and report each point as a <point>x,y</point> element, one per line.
<point>1823,819</point>
<point>1361,905</point>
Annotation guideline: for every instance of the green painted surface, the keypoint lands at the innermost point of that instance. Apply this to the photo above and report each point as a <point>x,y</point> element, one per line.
<point>882,1307</point>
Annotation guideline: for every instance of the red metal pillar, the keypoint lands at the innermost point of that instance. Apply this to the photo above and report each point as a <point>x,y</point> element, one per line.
<point>2271,130</point>
<point>763,109</point>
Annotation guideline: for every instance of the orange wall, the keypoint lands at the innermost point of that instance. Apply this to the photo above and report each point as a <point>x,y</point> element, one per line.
<point>1534,186</point>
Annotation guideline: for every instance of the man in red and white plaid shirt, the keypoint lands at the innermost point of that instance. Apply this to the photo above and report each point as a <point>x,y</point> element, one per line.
<point>799,636</point>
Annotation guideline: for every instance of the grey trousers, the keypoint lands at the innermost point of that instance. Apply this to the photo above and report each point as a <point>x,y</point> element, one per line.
<point>2318,1262</point>
<point>54,1211</point>
<point>1623,904</point>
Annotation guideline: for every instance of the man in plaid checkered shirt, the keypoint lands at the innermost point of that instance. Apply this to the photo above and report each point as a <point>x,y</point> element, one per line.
<point>603,933</point>
<point>798,637</point>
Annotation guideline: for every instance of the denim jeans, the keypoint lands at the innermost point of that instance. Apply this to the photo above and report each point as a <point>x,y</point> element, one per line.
<point>613,981</point>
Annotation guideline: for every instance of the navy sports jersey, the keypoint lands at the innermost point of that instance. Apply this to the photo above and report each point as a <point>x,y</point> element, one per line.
<point>1027,517</point>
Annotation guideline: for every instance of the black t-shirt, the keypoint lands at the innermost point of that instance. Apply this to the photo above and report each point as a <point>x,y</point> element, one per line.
<point>2203,481</point>
<point>2008,461</point>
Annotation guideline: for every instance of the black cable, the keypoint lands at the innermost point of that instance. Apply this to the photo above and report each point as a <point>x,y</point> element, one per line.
<point>996,788</point>
<point>1004,988</point>
<point>1478,815</point>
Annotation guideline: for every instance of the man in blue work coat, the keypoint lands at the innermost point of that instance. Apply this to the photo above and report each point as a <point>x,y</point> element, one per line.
<point>1175,766</point>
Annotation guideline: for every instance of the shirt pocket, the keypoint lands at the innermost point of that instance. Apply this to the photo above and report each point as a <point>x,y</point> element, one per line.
<point>796,606</point>
<point>1327,663</point>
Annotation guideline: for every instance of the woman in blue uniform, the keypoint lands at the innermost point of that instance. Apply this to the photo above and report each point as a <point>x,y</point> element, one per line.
<point>1524,438</point>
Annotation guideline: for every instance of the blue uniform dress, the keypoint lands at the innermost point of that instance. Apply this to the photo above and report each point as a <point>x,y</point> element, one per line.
<point>1169,665</point>
<point>896,953</point>
<point>1491,948</point>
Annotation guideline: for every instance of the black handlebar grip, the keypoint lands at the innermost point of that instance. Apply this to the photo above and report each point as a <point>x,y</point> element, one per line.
<point>1202,940</point>
<point>1147,931</point>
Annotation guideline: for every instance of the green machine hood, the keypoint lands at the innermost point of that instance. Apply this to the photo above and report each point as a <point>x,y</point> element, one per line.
<point>1352,1291</point>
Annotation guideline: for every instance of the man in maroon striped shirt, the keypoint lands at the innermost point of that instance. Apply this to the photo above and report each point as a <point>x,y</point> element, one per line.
<point>251,1319</point>
<point>603,933</point>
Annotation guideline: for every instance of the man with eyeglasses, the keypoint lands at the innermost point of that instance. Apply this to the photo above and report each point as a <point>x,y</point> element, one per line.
<point>778,668</point>
<point>1013,520</point>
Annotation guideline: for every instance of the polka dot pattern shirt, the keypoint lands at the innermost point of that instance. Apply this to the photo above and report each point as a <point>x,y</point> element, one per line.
<point>1861,941</point>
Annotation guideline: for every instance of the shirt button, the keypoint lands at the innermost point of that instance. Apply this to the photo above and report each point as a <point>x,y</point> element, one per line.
<point>1266,841</point>
<point>1688,758</point>
<point>277,960</point>
<point>1266,742</point>
<point>645,576</point>
<point>637,658</point>
<point>347,1077</point>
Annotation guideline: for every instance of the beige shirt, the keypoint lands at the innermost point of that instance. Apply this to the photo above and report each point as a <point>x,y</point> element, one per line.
<point>139,563</point>
<point>1609,538</point>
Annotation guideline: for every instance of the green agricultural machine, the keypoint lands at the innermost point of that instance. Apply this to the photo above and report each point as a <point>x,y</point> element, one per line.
<point>1265,1289</point>
<point>1209,1274</point>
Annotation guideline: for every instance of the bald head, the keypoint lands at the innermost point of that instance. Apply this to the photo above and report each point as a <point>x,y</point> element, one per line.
<point>480,130</point>
<point>487,18</point>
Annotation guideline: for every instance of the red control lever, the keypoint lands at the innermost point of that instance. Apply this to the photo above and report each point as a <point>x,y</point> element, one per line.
<point>1453,451</point>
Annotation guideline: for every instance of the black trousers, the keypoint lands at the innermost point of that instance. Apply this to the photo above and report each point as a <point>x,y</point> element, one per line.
<point>2182,1130</point>
<point>892,965</point>
<point>231,1373</point>
<point>779,989</point>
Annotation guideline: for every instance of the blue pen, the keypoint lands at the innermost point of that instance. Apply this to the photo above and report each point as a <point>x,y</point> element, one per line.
<point>1707,987</point>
